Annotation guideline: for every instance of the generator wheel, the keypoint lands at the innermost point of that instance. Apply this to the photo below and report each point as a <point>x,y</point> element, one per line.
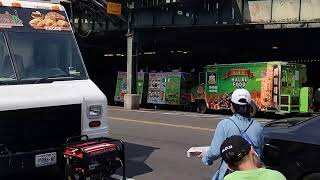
<point>71,175</point>
<point>201,107</point>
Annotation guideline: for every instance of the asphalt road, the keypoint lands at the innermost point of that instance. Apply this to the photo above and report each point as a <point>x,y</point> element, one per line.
<point>157,142</point>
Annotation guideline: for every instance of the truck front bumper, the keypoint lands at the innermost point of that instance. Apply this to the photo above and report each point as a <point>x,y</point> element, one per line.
<point>20,162</point>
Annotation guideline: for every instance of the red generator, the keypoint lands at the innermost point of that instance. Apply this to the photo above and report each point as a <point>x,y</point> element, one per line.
<point>93,159</point>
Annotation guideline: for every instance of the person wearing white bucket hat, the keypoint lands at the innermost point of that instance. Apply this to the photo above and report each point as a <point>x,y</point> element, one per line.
<point>241,124</point>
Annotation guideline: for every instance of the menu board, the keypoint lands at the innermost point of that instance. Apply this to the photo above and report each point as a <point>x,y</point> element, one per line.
<point>164,88</point>
<point>27,19</point>
<point>156,88</point>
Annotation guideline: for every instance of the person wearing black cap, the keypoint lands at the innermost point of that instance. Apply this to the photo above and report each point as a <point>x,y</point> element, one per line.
<point>243,160</point>
<point>240,123</point>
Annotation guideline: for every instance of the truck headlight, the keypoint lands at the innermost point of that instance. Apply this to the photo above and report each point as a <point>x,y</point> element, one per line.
<point>94,111</point>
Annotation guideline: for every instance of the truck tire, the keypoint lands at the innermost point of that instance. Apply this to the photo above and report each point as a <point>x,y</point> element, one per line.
<point>313,176</point>
<point>201,107</point>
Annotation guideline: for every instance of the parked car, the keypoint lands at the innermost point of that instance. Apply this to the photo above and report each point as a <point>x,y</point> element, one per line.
<point>292,146</point>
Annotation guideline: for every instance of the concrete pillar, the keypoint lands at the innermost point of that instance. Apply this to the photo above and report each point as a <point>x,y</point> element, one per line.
<point>129,63</point>
<point>131,98</point>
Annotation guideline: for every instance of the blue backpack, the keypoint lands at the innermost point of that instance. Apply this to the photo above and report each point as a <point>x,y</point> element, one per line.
<point>243,133</point>
<point>244,136</point>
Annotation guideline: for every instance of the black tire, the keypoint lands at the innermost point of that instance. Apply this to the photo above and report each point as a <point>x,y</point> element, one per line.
<point>201,107</point>
<point>313,176</point>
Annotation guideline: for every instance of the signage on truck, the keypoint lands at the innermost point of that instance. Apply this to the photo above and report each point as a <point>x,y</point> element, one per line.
<point>239,81</point>
<point>49,21</point>
<point>239,72</point>
<point>8,20</point>
<point>114,8</point>
<point>31,20</point>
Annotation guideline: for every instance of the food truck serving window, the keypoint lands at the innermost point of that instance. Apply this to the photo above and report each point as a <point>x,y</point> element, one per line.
<point>42,44</point>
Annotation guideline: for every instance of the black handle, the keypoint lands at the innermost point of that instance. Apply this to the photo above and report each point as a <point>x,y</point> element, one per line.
<point>76,137</point>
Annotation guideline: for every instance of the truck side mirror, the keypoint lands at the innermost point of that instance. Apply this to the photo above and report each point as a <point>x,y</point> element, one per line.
<point>202,78</point>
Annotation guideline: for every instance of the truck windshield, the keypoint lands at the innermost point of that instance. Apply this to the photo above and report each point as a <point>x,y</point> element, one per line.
<point>37,44</point>
<point>45,55</point>
<point>6,68</point>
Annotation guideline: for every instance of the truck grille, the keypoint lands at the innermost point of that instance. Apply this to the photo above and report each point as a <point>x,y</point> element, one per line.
<point>39,128</point>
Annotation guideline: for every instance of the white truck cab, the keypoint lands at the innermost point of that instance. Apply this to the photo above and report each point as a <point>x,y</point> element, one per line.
<point>46,95</point>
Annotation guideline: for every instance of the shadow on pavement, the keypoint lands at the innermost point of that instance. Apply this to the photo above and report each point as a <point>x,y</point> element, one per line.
<point>136,155</point>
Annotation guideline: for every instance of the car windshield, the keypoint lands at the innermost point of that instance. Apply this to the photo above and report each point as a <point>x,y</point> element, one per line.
<point>293,121</point>
<point>44,55</point>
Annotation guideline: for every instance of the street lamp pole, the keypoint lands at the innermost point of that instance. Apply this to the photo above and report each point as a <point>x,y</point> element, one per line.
<point>131,98</point>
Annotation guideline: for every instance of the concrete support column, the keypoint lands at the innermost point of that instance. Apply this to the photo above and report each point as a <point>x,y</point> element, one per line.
<point>130,63</point>
<point>131,98</point>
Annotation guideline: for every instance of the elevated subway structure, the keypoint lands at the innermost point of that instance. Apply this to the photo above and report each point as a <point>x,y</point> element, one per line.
<point>187,35</point>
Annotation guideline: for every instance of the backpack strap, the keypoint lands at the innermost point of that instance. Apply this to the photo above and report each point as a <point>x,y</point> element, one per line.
<point>243,133</point>
<point>234,124</point>
<point>251,121</point>
<point>248,126</point>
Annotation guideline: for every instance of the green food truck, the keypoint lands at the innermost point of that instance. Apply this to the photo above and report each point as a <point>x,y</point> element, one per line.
<point>274,86</point>
<point>169,88</point>
<point>121,87</point>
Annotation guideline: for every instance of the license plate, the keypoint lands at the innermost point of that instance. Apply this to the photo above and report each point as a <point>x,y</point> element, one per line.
<point>46,159</point>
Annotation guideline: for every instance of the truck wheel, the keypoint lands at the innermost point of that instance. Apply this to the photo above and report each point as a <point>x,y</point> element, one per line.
<point>201,107</point>
<point>314,176</point>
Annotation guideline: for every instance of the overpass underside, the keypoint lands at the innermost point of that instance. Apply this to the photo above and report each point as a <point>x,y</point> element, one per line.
<point>186,35</point>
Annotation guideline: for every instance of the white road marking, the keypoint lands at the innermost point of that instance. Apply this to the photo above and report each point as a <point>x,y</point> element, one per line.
<point>192,114</point>
<point>115,176</point>
<point>175,113</point>
<point>162,124</point>
<point>187,114</point>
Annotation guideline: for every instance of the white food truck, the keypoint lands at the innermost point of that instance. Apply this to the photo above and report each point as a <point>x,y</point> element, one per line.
<point>46,95</point>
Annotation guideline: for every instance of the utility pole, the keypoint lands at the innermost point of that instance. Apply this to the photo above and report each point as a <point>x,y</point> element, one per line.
<point>131,98</point>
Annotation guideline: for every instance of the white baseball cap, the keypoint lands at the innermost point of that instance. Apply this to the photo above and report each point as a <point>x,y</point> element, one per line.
<point>241,97</point>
